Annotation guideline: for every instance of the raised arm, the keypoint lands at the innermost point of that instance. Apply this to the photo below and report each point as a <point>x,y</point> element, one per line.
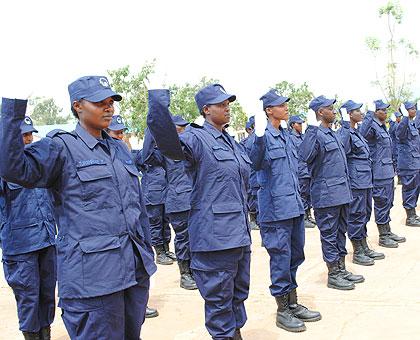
<point>310,146</point>
<point>37,165</point>
<point>366,128</point>
<point>344,135</point>
<point>401,131</point>
<point>257,152</point>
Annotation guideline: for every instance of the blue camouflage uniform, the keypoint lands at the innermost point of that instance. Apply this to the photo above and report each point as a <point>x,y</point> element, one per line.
<point>104,255</point>
<point>324,153</point>
<point>408,165</point>
<point>303,172</point>
<point>29,257</point>
<point>218,227</point>
<point>380,146</point>
<point>154,185</point>
<point>360,173</point>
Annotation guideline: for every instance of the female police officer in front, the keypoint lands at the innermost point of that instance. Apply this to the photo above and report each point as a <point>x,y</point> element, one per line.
<point>104,257</point>
<point>217,226</point>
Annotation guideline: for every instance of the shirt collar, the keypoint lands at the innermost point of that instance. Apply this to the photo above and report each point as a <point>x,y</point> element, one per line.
<point>295,133</point>
<point>378,121</point>
<point>275,132</point>
<point>87,138</point>
<point>325,130</point>
<point>210,128</point>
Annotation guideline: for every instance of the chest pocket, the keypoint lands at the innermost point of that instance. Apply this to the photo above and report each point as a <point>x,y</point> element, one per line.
<point>414,131</point>
<point>222,154</point>
<point>385,138</point>
<point>96,182</point>
<point>331,145</point>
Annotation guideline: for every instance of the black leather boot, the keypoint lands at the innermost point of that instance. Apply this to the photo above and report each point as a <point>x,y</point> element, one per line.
<point>310,218</point>
<point>336,279</point>
<point>45,333</point>
<point>253,221</point>
<point>384,239</point>
<point>300,311</point>
<point>306,221</point>
<point>285,318</point>
<point>161,257</point>
<point>31,336</point>
<point>394,237</point>
<point>411,219</point>
<point>151,312</point>
<point>186,281</point>
<point>168,253</point>
<point>359,256</point>
<point>348,275</point>
<point>370,252</point>
<point>237,335</point>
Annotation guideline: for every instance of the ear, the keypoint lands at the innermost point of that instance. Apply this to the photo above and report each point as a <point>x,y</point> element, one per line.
<point>77,106</point>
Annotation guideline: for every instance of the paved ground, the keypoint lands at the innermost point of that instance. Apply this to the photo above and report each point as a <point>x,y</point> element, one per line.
<point>386,306</point>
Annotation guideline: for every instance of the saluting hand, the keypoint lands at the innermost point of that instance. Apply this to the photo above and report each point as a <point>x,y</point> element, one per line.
<point>344,115</point>
<point>260,123</point>
<point>311,118</point>
<point>403,110</point>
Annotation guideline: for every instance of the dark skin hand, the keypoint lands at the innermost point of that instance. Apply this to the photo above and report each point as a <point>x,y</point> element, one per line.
<point>326,115</point>
<point>277,113</point>
<point>94,117</point>
<point>28,138</point>
<point>381,115</point>
<point>356,116</point>
<point>217,115</point>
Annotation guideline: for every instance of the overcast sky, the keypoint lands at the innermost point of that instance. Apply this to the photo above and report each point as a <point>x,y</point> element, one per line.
<point>248,45</point>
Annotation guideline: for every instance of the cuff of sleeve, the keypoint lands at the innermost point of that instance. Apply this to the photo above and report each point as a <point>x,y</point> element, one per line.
<point>159,96</point>
<point>13,107</point>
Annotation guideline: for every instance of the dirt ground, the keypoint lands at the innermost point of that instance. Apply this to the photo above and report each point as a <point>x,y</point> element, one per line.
<point>386,306</point>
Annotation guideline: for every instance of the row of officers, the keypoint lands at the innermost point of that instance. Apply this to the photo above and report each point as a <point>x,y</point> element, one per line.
<point>210,188</point>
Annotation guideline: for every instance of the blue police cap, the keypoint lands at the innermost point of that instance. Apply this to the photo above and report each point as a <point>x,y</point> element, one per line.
<point>27,126</point>
<point>178,120</point>
<point>397,114</point>
<point>271,98</point>
<point>409,105</point>
<point>380,105</point>
<point>212,94</point>
<point>351,105</point>
<point>295,119</point>
<point>319,102</point>
<point>250,123</point>
<point>117,123</point>
<point>91,88</point>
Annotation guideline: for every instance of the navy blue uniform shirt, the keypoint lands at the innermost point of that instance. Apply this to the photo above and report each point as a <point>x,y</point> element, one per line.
<point>297,139</point>
<point>408,139</point>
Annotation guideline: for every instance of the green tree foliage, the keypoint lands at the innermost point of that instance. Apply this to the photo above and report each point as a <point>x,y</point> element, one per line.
<point>299,95</point>
<point>392,80</point>
<point>47,112</point>
<point>238,116</point>
<point>132,88</point>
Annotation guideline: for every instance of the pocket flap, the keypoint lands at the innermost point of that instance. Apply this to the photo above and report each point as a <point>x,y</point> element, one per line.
<point>335,181</point>
<point>386,161</point>
<point>132,170</point>
<point>358,143</point>
<point>182,188</point>
<point>363,167</point>
<point>384,134</point>
<point>246,158</point>
<point>155,187</point>
<point>332,145</point>
<point>275,153</point>
<point>224,208</point>
<point>222,154</point>
<point>416,154</point>
<point>93,172</point>
<point>99,243</point>
<point>13,186</point>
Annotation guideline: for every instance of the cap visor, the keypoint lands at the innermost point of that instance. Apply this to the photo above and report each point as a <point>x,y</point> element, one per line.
<point>356,106</point>
<point>28,129</point>
<point>103,94</point>
<point>117,127</point>
<point>222,98</point>
<point>279,101</point>
<point>329,102</point>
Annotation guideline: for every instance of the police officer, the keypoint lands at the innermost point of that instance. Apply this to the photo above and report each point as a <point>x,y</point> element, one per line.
<point>295,123</point>
<point>117,130</point>
<point>218,227</point>
<point>374,130</point>
<point>154,184</point>
<point>274,157</point>
<point>408,139</point>
<point>360,173</point>
<point>29,257</point>
<point>246,144</point>
<point>393,123</point>
<point>177,206</point>
<point>330,189</point>
<point>104,256</point>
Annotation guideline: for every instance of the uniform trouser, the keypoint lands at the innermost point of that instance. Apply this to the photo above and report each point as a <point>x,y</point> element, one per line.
<point>33,276</point>
<point>332,224</point>
<point>116,316</point>
<point>160,231</point>
<point>284,241</point>
<point>383,197</point>
<point>410,189</point>
<point>179,221</point>
<point>222,278</point>
<point>305,192</point>
<point>359,214</point>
